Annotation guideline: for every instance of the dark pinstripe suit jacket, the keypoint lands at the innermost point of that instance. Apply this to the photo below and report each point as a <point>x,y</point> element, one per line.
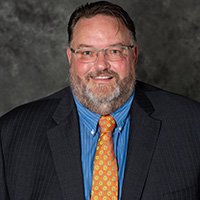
<point>40,149</point>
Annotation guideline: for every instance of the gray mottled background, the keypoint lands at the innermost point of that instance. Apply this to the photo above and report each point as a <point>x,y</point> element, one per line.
<point>33,37</point>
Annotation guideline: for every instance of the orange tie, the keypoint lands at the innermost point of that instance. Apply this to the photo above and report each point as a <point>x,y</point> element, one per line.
<point>105,177</point>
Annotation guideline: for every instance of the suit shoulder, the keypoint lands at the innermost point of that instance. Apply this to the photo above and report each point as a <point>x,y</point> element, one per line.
<point>40,107</point>
<point>168,101</point>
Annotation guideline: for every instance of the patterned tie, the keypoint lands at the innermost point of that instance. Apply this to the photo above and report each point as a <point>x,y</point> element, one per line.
<point>105,178</point>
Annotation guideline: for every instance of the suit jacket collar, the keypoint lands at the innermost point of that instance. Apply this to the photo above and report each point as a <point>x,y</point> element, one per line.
<point>65,146</point>
<point>142,143</point>
<point>65,106</point>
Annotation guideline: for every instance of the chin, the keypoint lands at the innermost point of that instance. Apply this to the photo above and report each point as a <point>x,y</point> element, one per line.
<point>102,89</point>
<point>102,95</point>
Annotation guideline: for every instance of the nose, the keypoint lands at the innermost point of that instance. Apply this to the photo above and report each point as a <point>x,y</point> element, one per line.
<point>101,62</point>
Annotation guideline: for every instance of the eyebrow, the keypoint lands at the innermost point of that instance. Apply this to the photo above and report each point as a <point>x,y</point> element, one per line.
<point>84,45</point>
<point>91,46</point>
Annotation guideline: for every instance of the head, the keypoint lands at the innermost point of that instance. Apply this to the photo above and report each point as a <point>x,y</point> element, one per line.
<point>102,55</point>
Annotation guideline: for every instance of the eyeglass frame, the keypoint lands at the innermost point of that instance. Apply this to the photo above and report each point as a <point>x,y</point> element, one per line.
<point>126,47</point>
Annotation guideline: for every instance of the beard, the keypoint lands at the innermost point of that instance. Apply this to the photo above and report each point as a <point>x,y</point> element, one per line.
<point>101,98</point>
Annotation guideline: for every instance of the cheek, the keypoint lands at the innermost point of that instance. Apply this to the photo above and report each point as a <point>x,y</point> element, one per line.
<point>123,68</point>
<point>79,69</point>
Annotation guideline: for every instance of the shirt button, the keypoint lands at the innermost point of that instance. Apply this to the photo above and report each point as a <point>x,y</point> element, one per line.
<point>92,132</point>
<point>120,128</point>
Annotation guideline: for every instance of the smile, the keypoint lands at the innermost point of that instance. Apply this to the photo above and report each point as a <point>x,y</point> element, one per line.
<point>102,77</point>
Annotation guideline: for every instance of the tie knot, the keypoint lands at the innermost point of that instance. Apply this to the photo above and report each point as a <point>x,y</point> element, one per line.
<point>107,124</point>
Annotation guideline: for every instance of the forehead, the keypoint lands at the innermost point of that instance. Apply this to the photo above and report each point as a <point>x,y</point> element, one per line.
<point>100,30</point>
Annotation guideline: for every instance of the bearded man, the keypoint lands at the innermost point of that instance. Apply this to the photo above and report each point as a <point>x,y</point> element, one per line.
<point>107,136</point>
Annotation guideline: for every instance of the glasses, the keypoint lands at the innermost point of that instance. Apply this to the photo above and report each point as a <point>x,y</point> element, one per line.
<point>112,53</point>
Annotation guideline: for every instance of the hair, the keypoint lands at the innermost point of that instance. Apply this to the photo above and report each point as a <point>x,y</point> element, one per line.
<point>100,7</point>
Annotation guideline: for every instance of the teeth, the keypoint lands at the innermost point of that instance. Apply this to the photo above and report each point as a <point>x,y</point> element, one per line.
<point>102,77</point>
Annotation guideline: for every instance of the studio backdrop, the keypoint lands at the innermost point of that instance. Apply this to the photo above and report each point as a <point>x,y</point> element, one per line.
<point>33,39</point>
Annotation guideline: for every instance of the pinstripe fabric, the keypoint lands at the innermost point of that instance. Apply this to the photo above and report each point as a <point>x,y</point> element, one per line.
<point>89,137</point>
<point>40,154</point>
<point>25,157</point>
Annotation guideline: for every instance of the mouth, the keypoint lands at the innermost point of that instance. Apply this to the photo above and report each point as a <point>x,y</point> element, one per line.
<point>104,77</point>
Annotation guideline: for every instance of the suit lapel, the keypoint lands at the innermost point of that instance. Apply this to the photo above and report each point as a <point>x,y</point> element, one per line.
<point>65,146</point>
<point>142,142</point>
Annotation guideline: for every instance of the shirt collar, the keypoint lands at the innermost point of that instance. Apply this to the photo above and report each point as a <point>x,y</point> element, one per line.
<point>87,117</point>
<point>90,119</point>
<point>122,113</point>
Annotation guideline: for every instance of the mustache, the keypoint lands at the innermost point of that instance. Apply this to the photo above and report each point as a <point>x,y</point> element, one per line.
<point>106,72</point>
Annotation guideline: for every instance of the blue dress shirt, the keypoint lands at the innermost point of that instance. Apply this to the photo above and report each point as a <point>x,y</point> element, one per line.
<point>89,134</point>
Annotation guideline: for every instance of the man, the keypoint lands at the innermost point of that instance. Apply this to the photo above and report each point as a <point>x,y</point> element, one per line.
<point>49,148</point>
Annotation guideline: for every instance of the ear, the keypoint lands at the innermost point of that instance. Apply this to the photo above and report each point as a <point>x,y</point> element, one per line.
<point>69,54</point>
<point>135,53</point>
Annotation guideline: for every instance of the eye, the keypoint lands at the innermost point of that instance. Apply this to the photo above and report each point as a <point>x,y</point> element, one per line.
<point>86,52</point>
<point>115,51</point>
